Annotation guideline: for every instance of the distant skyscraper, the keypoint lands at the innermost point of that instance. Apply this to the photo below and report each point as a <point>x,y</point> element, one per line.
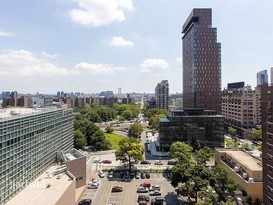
<point>201,62</point>
<point>162,95</point>
<point>262,78</point>
<point>271,73</point>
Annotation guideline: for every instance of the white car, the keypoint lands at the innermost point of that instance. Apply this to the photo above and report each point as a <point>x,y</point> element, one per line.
<point>154,187</point>
<point>101,174</point>
<point>158,162</point>
<point>142,189</point>
<point>94,181</point>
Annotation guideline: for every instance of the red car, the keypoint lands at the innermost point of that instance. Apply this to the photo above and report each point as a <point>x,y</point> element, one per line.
<point>107,161</point>
<point>146,184</point>
<point>117,189</point>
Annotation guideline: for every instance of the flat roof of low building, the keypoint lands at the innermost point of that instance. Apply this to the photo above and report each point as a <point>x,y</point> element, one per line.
<point>164,120</point>
<point>45,190</point>
<point>17,112</point>
<point>245,159</point>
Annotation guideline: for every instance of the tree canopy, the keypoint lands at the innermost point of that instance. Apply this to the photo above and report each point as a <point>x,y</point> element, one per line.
<point>129,149</point>
<point>135,130</point>
<point>232,131</point>
<point>257,134</point>
<point>192,178</point>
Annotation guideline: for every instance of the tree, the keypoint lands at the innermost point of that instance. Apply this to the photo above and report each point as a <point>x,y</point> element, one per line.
<point>182,152</point>
<point>247,147</point>
<point>153,121</point>
<point>228,202</point>
<point>208,197</point>
<point>127,114</point>
<point>224,182</point>
<point>79,140</point>
<point>99,141</point>
<point>232,131</point>
<point>203,155</point>
<point>257,134</point>
<point>135,130</point>
<point>129,149</point>
<point>195,143</point>
<point>109,129</point>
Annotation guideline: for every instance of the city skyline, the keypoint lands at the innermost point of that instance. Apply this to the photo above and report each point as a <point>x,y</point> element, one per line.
<point>49,46</point>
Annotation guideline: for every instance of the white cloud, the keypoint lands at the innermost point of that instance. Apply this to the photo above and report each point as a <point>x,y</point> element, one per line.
<point>5,34</point>
<point>119,41</point>
<point>49,55</point>
<point>96,13</point>
<point>97,68</point>
<point>179,60</point>
<point>149,64</point>
<point>93,68</point>
<point>25,63</point>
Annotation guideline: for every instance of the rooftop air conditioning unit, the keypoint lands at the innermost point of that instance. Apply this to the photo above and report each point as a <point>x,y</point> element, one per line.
<point>250,179</point>
<point>244,175</point>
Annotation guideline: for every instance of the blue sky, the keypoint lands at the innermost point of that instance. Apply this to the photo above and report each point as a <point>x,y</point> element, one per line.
<point>95,45</point>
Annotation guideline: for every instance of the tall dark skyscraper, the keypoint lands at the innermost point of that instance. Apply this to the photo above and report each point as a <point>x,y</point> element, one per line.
<point>201,62</point>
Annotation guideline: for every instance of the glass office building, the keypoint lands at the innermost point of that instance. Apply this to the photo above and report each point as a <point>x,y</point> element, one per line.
<point>29,141</point>
<point>191,125</point>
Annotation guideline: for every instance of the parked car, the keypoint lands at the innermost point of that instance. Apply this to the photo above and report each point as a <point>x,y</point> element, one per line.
<point>93,184</point>
<point>137,175</point>
<point>101,174</point>
<point>155,187</point>
<point>142,189</point>
<point>85,202</point>
<point>155,193</point>
<point>171,162</point>
<point>145,162</point>
<point>107,161</point>
<point>145,184</point>
<point>158,162</point>
<point>143,175</point>
<point>97,161</point>
<point>143,198</point>
<point>148,175</point>
<point>168,176</point>
<point>158,200</point>
<point>117,189</point>
<point>110,175</point>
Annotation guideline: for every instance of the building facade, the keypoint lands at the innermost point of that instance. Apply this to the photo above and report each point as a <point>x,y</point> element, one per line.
<point>241,107</point>
<point>201,62</point>
<point>29,140</point>
<point>262,78</point>
<point>267,141</point>
<point>190,125</point>
<point>244,169</point>
<point>162,95</point>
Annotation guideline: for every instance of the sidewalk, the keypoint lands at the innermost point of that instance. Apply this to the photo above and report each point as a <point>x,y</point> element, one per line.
<point>154,152</point>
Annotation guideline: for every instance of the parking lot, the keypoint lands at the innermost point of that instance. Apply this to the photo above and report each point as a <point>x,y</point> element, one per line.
<point>129,195</point>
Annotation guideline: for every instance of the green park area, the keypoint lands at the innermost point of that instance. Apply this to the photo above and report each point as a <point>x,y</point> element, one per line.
<point>114,139</point>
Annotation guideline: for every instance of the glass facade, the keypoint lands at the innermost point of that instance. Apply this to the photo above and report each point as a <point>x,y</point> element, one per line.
<point>201,62</point>
<point>191,124</point>
<point>28,146</point>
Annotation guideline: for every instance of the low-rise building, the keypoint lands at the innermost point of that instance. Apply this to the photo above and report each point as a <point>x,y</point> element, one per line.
<point>189,125</point>
<point>244,168</point>
<point>61,184</point>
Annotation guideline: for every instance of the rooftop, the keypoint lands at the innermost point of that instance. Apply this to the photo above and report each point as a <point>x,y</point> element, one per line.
<point>16,111</point>
<point>245,159</point>
<point>46,189</point>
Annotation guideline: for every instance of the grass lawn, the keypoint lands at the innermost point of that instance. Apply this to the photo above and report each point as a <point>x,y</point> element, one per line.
<point>114,139</point>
